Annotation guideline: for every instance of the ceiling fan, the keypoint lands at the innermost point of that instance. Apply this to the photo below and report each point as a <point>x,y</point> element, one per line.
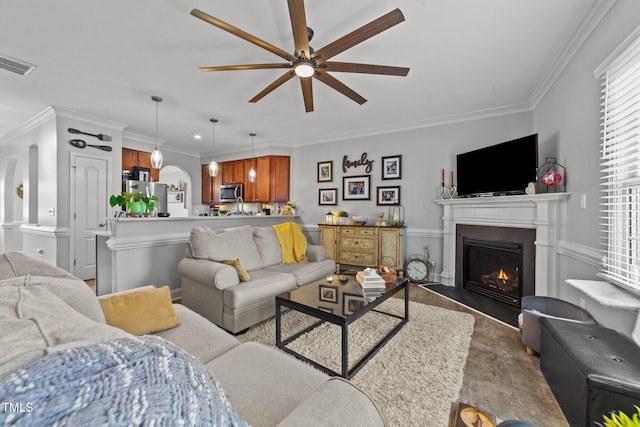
<point>306,63</point>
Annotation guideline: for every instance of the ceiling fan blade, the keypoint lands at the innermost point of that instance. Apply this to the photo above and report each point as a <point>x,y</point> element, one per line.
<point>266,91</point>
<point>349,67</point>
<point>299,27</point>
<point>307,93</point>
<point>245,67</point>
<point>358,36</point>
<point>242,34</point>
<point>329,80</point>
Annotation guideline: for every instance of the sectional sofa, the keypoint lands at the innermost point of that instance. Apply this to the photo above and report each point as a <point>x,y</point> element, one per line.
<point>53,335</point>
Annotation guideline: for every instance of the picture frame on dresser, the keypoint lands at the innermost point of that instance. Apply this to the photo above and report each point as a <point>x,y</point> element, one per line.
<point>388,196</point>
<point>328,196</point>
<point>325,171</point>
<point>356,187</point>
<point>392,167</point>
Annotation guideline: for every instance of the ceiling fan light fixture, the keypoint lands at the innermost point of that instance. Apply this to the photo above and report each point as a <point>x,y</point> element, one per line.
<point>304,68</point>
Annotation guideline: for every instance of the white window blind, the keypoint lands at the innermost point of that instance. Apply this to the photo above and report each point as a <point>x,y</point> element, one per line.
<point>620,167</point>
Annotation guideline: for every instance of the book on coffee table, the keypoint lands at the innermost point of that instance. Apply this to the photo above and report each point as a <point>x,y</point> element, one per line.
<point>370,279</point>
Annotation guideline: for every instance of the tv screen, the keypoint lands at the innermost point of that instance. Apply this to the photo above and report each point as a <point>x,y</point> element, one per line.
<point>501,169</point>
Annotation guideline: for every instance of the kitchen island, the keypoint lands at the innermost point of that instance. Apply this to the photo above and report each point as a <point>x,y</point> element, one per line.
<point>146,251</point>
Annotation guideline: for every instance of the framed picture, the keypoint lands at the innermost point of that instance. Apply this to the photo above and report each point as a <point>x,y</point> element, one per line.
<point>325,171</point>
<point>328,293</point>
<point>356,187</point>
<point>352,303</point>
<point>388,195</point>
<point>328,196</point>
<point>392,167</point>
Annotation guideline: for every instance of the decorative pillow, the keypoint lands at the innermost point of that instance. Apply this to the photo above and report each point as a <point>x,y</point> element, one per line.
<point>268,245</point>
<point>141,313</point>
<point>226,243</point>
<point>242,273</point>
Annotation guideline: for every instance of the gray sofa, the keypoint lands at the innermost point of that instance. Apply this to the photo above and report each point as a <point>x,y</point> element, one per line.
<point>214,289</point>
<point>266,386</point>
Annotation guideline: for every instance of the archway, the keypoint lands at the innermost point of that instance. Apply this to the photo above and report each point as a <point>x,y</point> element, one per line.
<point>180,191</point>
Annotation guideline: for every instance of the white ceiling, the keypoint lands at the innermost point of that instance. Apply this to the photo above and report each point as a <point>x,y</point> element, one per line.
<point>106,59</point>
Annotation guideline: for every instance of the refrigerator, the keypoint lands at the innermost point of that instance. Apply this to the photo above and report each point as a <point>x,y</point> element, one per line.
<point>149,189</point>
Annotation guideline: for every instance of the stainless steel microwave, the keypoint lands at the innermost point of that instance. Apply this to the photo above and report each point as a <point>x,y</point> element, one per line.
<point>230,192</point>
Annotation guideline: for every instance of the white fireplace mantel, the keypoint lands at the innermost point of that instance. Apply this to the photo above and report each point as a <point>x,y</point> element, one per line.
<point>543,212</point>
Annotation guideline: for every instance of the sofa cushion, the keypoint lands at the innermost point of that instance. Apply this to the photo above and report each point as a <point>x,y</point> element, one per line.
<point>141,313</point>
<point>225,244</point>
<point>264,384</point>
<point>333,403</point>
<point>197,336</point>
<point>306,272</point>
<point>264,284</point>
<point>268,245</point>
<point>35,321</point>
<point>15,264</point>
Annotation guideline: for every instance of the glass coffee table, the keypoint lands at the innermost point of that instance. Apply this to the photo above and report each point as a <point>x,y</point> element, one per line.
<point>340,302</point>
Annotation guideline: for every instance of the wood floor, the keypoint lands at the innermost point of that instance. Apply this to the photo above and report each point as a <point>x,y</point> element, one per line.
<point>500,376</point>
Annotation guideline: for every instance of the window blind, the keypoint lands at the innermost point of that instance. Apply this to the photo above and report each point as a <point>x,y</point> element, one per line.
<point>620,168</point>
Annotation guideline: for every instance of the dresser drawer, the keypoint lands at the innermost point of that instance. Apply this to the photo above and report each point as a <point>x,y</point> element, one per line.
<point>359,232</point>
<point>357,258</point>
<point>356,244</point>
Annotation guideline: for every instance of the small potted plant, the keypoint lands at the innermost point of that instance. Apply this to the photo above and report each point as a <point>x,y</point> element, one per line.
<point>341,217</point>
<point>136,203</point>
<point>622,420</point>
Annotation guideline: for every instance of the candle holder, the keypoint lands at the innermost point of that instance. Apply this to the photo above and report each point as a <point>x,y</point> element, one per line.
<point>396,215</point>
<point>448,192</point>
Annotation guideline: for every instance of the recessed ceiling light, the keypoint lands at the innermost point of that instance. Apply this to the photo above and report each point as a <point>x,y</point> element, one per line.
<point>197,137</point>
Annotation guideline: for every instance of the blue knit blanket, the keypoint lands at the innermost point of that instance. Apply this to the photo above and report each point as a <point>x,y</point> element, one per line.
<point>144,381</point>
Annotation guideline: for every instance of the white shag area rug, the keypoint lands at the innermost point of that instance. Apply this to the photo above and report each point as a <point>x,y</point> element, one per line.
<point>414,378</point>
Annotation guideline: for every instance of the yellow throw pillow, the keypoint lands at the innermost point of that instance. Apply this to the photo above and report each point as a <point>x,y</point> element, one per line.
<point>242,273</point>
<point>141,313</point>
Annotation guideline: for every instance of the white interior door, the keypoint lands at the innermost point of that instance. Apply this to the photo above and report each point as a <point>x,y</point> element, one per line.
<point>90,211</point>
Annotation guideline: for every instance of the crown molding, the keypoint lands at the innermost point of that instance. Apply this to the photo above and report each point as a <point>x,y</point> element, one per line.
<point>588,25</point>
<point>87,118</point>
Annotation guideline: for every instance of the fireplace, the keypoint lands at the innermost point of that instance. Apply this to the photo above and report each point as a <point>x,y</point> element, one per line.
<point>493,269</point>
<point>497,262</point>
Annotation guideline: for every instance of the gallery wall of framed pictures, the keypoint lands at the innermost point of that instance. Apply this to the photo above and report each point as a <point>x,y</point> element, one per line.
<point>358,186</point>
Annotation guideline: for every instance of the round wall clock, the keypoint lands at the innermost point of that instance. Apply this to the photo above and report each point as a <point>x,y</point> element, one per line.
<point>416,269</point>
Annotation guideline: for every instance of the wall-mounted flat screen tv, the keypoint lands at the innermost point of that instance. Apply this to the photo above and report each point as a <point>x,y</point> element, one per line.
<point>501,169</point>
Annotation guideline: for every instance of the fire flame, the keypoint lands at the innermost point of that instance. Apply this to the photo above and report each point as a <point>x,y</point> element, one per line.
<point>503,275</point>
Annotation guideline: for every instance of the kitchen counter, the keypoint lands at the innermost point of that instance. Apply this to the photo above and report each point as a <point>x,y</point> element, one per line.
<point>143,251</point>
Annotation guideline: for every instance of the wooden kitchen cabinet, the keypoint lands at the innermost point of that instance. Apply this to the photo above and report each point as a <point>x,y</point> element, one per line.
<point>279,178</point>
<point>258,191</point>
<point>210,186</point>
<point>232,172</point>
<point>363,245</point>
<point>132,158</point>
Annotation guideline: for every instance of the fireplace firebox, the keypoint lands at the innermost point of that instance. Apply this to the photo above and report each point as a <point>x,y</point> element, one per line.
<point>494,269</point>
<point>497,262</point>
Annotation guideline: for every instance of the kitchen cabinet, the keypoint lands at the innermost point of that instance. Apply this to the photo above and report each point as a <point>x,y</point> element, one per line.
<point>363,245</point>
<point>279,179</point>
<point>132,158</point>
<point>271,185</point>
<point>210,186</point>
<point>258,191</point>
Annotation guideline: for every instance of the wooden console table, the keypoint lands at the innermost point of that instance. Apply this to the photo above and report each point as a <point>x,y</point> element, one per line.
<point>363,245</point>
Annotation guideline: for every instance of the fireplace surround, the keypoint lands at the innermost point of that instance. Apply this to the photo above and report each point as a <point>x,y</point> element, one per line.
<point>543,213</point>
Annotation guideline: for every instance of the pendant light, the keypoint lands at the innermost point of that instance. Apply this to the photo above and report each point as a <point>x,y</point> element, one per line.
<point>156,155</point>
<point>213,165</point>
<point>252,171</point>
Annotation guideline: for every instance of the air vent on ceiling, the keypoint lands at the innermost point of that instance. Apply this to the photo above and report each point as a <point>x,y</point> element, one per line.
<point>15,65</point>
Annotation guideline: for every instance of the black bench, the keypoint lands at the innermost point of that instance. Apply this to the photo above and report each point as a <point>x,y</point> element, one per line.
<point>592,370</point>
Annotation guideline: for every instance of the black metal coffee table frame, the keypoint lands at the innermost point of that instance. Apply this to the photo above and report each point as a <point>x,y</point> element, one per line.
<point>342,321</point>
